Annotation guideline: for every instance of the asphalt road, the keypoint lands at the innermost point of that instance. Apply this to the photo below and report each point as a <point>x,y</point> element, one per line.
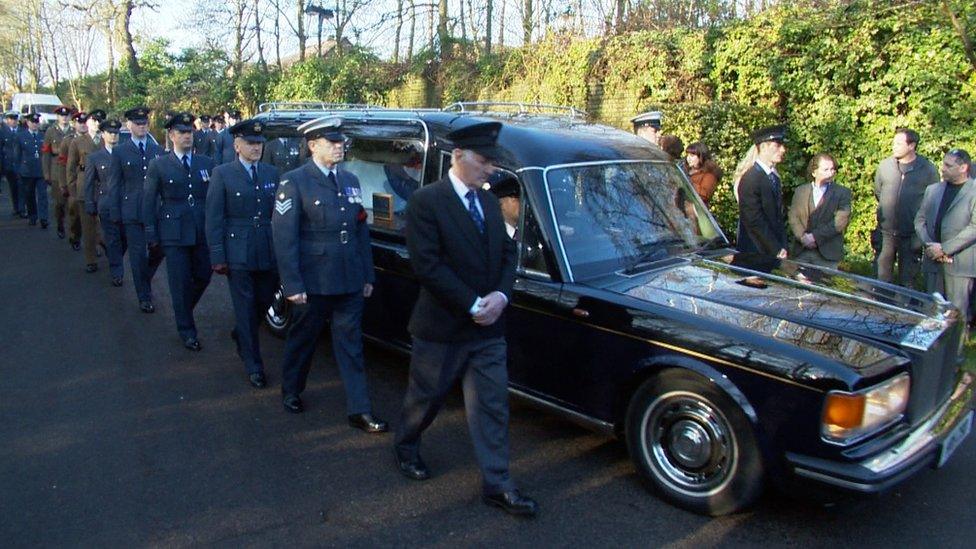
<point>111,434</point>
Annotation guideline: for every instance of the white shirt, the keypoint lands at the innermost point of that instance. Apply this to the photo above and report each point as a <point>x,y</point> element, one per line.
<point>510,229</point>
<point>818,193</point>
<point>143,141</point>
<point>247,165</point>
<point>462,190</point>
<point>765,168</point>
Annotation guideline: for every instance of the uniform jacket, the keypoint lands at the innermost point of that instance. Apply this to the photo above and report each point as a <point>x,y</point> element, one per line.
<point>99,170</point>
<point>223,147</point>
<point>761,225</point>
<point>27,151</point>
<point>174,200</point>
<point>826,222</point>
<point>958,228</point>
<point>899,195</point>
<point>285,156</point>
<point>9,147</point>
<point>239,216</point>
<point>202,144</point>
<point>129,178</point>
<point>455,263</point>
<point>52,159</point>
<point>321,238</point>
<point>79,149</point>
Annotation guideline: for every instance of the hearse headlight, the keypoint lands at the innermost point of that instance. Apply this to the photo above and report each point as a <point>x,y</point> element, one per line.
<point>848,417</point>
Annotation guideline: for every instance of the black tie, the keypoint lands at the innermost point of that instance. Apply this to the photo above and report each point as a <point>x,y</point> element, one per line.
<point>332,179</point>
<point>777,184</point>
<point>186,163</point>
<point>254,173</point>
<point>142,148</point>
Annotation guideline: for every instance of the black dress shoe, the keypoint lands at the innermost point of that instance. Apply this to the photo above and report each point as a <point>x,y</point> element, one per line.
<point>368,423</point>
<point>43,224</point>
<point>91,268</point>
<point>513,503</point>
<point>60,232</point>
<point>192,344</point>
<point>32,222</point>
<point>75,245</point>
<point>257,380</point>
<point>117,282</point>
<point>147,307</point>
<point>23,215</point>
<point>293,404</point>
<point>414,469</point>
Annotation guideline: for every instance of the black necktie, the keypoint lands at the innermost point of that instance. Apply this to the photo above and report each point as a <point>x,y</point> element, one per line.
<point>332,179</point>
<point>474,213</point>
<point>186,163</point>
<point>777,184</point>
<point>142,148</point>
<point>254,173</point>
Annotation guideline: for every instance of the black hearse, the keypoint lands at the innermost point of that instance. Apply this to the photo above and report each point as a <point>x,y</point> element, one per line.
<point>633,315</point>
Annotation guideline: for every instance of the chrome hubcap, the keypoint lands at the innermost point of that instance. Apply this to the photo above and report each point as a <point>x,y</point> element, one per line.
<point>688,443</point>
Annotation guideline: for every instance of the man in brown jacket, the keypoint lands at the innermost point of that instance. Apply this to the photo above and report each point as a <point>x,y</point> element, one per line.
<point>53,164</point>
<point>819,215</point>
<point>78,149</point>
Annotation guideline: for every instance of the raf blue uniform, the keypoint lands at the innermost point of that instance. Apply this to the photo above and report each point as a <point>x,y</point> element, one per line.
<point>239,205</point>
<point>100,170</point>
<point>125,195</point>
<point>174,207</point>
<point>284,153</point>
<point>322,246</point>
<point>27,151</point>
<point>8,167</point>
<point>223,147</point>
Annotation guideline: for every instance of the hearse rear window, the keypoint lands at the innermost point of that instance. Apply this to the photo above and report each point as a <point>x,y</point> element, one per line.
<point>391,167</point>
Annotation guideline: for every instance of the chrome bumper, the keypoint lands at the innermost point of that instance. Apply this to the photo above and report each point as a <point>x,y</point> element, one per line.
<point>918,449</point>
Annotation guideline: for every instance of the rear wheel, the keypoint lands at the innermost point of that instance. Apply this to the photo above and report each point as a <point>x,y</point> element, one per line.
<point>693,444</point>
<point>278,315</point>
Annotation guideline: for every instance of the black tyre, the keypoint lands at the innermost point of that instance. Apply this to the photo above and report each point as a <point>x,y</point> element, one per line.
<point>278,316</point>
<point>693,444</point>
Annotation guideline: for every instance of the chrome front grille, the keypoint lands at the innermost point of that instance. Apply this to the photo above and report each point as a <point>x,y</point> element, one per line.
<point>933,372</point>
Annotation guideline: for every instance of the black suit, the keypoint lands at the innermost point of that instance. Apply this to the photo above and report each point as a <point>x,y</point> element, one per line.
<point>456,264</point>
<point>762,228</point>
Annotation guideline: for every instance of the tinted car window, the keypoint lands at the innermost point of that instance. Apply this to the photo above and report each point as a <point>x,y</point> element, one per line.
<point>532,257</point>
<point>386,166</point>
<point>614,216</point>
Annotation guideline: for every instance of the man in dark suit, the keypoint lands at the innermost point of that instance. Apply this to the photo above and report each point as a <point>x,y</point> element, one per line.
<point>201,137</point>
<point>8,134</point>
<point>125,194</point>
<point>324,256</point>
<point>239,205</point>
<point>173,207</point>
<point>761,225</point>
<point>819,215</point>
<point>284,153</point>
<point>28,146</point>
<point>465,263</point>
<point>99,169</point>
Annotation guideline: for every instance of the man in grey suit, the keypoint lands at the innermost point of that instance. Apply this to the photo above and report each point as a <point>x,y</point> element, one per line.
<point>946,225</point>
<point>819,215</point>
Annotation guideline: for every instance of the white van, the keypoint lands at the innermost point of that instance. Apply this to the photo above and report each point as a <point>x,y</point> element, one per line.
<point>25,103</point>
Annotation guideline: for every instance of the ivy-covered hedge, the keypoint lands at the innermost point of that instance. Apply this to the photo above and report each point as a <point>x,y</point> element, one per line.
<point>842,79</point>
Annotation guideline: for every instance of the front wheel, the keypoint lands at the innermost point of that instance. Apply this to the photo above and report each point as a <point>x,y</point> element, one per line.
<point>278,315</point>
<point>693,444</point>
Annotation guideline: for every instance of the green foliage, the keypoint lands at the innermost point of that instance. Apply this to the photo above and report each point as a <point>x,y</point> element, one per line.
<point>356,77</point>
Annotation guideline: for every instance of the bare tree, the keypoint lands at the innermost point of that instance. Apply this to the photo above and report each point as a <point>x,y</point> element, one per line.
<point>257,33</point>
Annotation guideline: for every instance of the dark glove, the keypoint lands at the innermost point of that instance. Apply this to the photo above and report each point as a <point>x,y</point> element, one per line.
<point>219,268</point>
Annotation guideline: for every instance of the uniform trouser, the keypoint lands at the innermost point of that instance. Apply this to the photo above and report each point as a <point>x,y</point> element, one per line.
<point>88,227</point>
<point>143,262</point>
<point>308,320</point>
<point>59,201</point>
<point>900,248</point>
<point>74,226</point>
<point>16,201</point>
<point>36,197</point>
<point>251,293</point>
<point>114,236</point>
<point>188,273</point>
<point>481,365</point>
